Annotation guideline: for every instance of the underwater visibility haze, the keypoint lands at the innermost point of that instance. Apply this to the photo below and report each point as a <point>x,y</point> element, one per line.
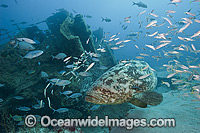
<point>82,59</point>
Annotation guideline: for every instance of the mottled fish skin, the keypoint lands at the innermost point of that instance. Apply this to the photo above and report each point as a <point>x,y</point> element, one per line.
<point>116,85</point>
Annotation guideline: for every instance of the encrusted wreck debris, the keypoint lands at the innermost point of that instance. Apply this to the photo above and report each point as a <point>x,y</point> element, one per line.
<point>22,77</point>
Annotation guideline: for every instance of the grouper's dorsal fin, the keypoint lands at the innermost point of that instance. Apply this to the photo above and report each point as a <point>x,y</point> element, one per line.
<point>150,98</point>
<point>138,103</point>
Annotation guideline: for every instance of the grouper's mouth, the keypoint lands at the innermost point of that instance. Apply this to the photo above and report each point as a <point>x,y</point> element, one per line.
<point>90,98</point>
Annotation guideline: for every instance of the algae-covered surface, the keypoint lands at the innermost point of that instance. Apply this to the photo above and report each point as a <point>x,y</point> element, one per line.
<point>22,77</point>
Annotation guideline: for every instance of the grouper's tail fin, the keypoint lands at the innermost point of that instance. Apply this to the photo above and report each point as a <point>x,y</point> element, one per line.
<point>147,98</point>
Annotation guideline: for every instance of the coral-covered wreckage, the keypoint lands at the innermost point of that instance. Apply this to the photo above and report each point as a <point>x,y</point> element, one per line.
<point>22,77</point>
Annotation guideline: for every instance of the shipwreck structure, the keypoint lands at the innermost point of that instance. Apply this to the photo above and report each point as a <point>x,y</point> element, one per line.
<point>66,34</point>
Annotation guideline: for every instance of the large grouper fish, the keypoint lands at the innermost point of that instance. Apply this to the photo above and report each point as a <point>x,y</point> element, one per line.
<point>132,81</point>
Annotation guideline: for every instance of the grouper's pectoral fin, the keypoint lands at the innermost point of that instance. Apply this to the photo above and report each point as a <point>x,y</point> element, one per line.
<point>138,103</point>
<point>151,98</point>
<point>148,98</point>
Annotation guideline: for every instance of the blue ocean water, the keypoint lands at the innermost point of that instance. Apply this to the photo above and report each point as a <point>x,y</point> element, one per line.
<point>125,20</point>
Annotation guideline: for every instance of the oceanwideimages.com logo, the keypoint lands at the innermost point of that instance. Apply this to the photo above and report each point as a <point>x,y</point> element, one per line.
<point>46,121</point>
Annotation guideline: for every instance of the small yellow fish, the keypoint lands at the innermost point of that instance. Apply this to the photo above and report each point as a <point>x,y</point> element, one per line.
<point>184,27</point>
<point>116,39</point>
<point>126,40</point>
<point>141,12</point>
<point>173,52</point>
<point>170,11</point>
<point>153,34</point>
<point>136,46</point>
<point>121,45</point>
<point>177,82</point>
<point>194,66</point>
<point>145,76</point>
<point>193,47</point>
<point>150,46</point>
<point>171,75</point>
<point>144,54</point>
<point>90,66</point>
<point>161,45</point>
<point>145,68</point>
<point>113,36</point>
<point>139,57</point>
<point>115,48</point>
<point>166,83</point>
<point>111,39</point>
<point>152,14</point>
<point>119,42</point>
<point>196,20</point>
<point>151,23</point>
<point>189,13</point>
<point>167,20</point>
<point>183,67</point>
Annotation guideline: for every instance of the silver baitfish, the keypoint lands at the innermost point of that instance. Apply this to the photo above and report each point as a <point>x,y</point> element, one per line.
<point>44,74</point>
<point>18,97</point>
<point>75,95</point>
<point>66,92</point>
<point>60,110</point>
<point>33,54</point>
<point>95,107</point>
<point>59,56</point>
<point>24,108</point>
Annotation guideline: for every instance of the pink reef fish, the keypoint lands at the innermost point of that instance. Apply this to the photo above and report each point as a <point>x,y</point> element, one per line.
<point>196,20</point>
<point>167,20</point>
<point>161,45</point>
<point>170,11</point>
<point>150,46</point>
<point>196,34</point>
<point>153,34</point>
<point>151,23</point>
<point>190,13</point>
<point>184,27</point>
<point>171,75</point>
<point>145,76</point>
<point>152,14</point>
<point>142,12</point>
<point>188,20</point>
<point>176,1</point>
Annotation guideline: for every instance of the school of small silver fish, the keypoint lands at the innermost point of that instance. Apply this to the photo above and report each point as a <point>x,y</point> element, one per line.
<point>87,60</point>
<point>185,72</point>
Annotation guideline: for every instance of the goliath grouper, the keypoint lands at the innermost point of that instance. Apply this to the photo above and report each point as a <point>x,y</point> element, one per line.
<point>132,81</point>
